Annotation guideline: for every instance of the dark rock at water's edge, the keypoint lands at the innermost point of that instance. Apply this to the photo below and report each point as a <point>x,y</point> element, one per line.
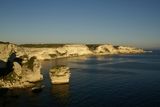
<point>37,89</point>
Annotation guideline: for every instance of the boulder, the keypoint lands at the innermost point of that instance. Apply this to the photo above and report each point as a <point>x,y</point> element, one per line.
<point>59,75</point>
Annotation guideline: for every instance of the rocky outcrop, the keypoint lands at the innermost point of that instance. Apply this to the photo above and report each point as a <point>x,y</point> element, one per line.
<point>20,66</point>
<point>59,52</point>
<point>64,50</point>
<point>40,53</point>
<point>6,49</point>
<point>110,49</point>
<point>73,50</point>
<point>59,75</point>
<point>77,50</point>
<point>106,49</point>
<point>129,50</point>
<point>20,73</point>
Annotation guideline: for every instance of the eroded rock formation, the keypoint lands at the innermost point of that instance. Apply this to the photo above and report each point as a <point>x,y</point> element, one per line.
<point>59,75</point>
<point>20,66</point>
<point>77,50</point>
<point>19,73</point>
<point>110,49</point>
<point>106,49</point>
<point>6,49</point>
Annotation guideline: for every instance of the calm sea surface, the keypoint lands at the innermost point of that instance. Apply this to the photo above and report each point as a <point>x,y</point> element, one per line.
<point>97,81</point>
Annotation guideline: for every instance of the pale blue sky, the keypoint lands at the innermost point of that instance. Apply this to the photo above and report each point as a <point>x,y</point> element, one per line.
<point>125,22</point>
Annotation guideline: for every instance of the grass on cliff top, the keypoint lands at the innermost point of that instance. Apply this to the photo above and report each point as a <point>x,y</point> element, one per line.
<point>90,46</point>
<point>1,42</point>
<point>42,45</point>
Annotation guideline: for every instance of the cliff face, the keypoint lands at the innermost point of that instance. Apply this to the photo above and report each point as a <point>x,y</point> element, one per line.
<point>110,49</point>
<point>20,66</point>
<point>5,50</point>
<point>128,50</point>
<point>64,51</point>
<point>40,53</point>
<point>17,71</point>
<point>20,73</point>
<point>106,49</point>
<point>77,50</point>
<point>60,52</point>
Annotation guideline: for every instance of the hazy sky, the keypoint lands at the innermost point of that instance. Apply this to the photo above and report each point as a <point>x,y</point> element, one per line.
<point>126,22</point>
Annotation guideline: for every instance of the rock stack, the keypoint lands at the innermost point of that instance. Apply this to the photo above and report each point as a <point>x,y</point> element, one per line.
<point>59,75</point>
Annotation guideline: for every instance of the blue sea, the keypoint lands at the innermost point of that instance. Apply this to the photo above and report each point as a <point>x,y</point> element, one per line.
<point>96,81</point>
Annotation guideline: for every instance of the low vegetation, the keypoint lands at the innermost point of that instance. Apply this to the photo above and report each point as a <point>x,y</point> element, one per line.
<point>42,45</point>
<point>92,46</point>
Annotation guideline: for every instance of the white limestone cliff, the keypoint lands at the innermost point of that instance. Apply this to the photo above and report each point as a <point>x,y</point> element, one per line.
<point>6,49</point>
<point>18,74</point>
<point>64,51</point>
<point>60,52</point>
<point>74,50</point>
<point>59,75</point>
<point>19,67</point>
<point>110,49</point>
<point>40,53</point>
<point>129,50</point>
<point>106,49</point>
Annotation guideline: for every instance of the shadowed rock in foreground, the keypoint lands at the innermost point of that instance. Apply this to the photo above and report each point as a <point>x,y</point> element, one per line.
<point>20,72</point>
<point>59,75</point>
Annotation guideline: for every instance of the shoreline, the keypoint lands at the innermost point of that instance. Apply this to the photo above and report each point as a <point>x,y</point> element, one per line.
<point>27,67</point>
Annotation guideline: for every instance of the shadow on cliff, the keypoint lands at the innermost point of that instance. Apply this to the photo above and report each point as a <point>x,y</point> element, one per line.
<point>7,67</point>
<point>4,70</point>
